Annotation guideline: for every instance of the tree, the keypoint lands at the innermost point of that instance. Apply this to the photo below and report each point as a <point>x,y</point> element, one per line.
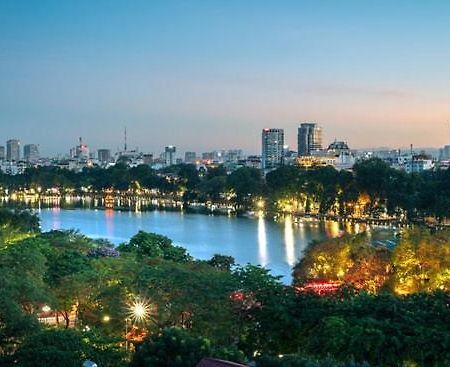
<point>174,347</point>
<point>213,188</point>
<point>302,361</point>
<point>53,347</point>
<point>154,245</point>
<point>351,259</point>
<point>422,262</point>
<point>69,348</point>
<point>245,182</point>
<point>191,295</point>
<point>222,262</point>
<point>22,269</point>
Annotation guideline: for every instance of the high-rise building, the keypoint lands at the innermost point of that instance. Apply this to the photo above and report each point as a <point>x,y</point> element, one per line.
<point>104,156</point>
<point>309,138</point>
<point>31,153</point>
<point>13,150</point>
<point>190,157</point>
<point>2,153</point>
<point>169,155</point>
<point>272,148</point>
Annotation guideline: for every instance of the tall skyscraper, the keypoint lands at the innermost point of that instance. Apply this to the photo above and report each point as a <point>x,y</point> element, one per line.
<point>13,150</point>
<point>309,138</point>
<point>2,153</point>
<point>169,155</point>
<point>31,153</point>
<point>272,148</point>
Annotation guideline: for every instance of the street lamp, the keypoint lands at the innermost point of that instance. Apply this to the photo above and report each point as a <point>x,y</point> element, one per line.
<point>138,312</point>
<point>46,309</point>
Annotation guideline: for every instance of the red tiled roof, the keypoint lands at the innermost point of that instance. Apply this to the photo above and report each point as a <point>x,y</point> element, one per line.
<point>209,362</point>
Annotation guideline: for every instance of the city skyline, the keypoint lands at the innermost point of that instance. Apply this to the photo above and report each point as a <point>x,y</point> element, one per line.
<point>205,76</point>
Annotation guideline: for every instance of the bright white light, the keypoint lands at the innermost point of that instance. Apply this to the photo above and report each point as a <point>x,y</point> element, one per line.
<point>46,308</point>
<point>262,241</point>
<point>139,310</point>
<point>289,240</point>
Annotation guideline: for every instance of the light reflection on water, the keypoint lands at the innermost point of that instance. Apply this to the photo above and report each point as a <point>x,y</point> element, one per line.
<point>289,240</point>
<point>262,241</point>
<point>276,245</point>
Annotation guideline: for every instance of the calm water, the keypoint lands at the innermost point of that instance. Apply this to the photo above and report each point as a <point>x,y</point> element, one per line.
<point>275,245</point>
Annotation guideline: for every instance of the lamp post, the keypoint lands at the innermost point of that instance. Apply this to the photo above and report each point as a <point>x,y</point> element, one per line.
<point>126,334</point>
<point>138,312</point>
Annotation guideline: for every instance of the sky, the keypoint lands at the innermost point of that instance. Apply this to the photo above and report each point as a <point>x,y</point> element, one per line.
<point>210,74</point>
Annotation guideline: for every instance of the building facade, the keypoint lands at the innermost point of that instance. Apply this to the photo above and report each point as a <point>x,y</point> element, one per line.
<point>169,155</point>
<point>13,150</point>
<point>272,148</point>
<point>190,157</point>
<point>309,138</point>
<point>104,156</point>
<point>2,153</point>
<point>31,153</point>
<point>419,163</point>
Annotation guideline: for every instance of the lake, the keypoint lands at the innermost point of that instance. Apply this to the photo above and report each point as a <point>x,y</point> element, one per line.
<point>276,245</point>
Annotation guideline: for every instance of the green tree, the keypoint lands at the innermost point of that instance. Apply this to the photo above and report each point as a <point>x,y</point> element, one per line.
<point>245,182</point>
<point>22,269</point>
<point>173,348</point>
<point>222,262</point>
<point>53,347</point>
<point>155,245</point>
<point>190,295</point>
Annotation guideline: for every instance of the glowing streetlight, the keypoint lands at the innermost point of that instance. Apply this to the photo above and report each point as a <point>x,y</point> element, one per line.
<point>46,309</point>
<point>106,318</point>
<point>139,310</point>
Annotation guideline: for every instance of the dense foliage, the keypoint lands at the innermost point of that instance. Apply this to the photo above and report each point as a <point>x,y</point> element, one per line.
<point>419,262</point>
<point>373,188</point>
<point>214,308</point>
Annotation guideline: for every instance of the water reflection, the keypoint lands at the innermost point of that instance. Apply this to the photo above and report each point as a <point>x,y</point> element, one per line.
<point>109,215</point>
<point>262,241</point>
<point>277,245</point>
<point>333,229</point>
<point>289,240</point>
<point>56,219</point>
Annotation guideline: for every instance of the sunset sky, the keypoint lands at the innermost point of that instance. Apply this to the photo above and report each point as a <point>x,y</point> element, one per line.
<point>211,74</point>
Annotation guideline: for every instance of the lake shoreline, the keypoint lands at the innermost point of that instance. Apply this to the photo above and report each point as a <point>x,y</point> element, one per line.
<point>273,244</point>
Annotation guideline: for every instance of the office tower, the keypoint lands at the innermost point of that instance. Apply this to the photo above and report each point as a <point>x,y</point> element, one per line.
<point>272,148</point>
<point>2,153</point>
<point>309,138</point>
<point>13,150</point>
<point>169,155</point>
<point>31,153</point>
<point>190,157</point>
<point>104,155</point>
